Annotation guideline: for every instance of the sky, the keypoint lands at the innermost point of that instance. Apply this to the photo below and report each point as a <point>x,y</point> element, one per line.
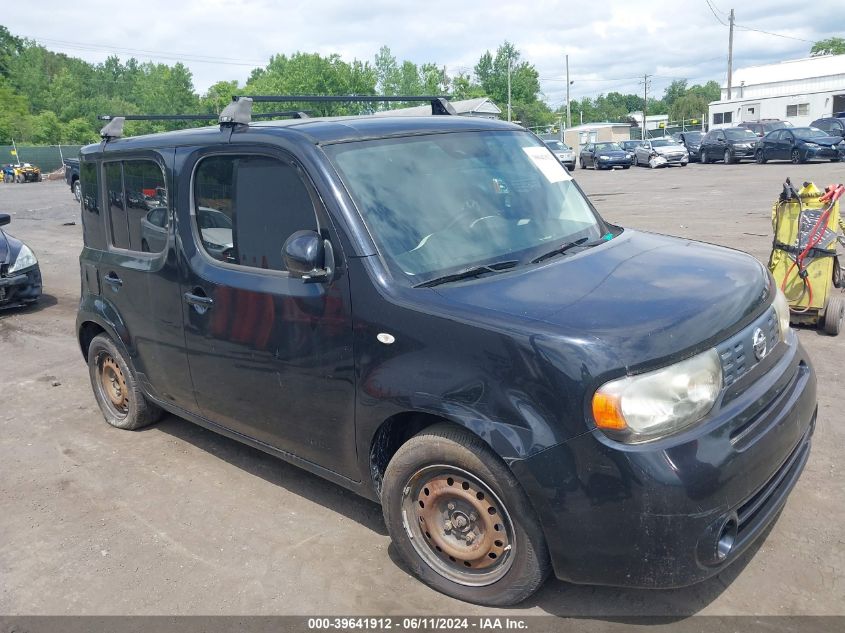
<point>611,44</point>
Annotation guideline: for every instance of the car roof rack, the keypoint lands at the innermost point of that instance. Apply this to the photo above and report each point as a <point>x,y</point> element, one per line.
<point>439,104</point>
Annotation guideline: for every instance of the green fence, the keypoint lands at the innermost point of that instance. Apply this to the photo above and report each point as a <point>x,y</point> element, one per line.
<point>47,157</point>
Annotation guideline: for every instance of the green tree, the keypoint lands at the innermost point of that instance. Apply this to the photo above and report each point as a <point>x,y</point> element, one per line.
<point>830,46</point>
<point>78,132</point>
<point>46,128</point>
<point>492,75</point>
<point>15,122</point>
<point>218,96</point>
<point>387,72</point>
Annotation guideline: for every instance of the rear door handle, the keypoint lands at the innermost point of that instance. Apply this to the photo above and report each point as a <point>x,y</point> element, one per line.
<point>113,280</point>
<point>199,300</point>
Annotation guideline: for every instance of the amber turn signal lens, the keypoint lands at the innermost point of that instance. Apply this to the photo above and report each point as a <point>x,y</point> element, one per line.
<point>606,412</point>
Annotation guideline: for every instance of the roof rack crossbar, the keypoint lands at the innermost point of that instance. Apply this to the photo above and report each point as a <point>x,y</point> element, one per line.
<point>338,98</point>
<point>439,104</point>
<point>296,114</point>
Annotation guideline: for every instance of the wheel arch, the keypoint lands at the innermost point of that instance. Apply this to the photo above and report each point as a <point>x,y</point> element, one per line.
<point>393,432</point>
<point>97,317</point>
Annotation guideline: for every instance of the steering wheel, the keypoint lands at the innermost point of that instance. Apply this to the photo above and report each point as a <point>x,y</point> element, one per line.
<point>473,209</point>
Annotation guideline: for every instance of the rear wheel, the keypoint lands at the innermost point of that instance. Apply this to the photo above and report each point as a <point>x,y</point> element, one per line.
<point>116,389</point>
<point>461,521</point>
<point>834,314</point>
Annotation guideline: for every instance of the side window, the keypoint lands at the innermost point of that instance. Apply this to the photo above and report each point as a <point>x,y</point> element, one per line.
<point>720,136</point>
<point>247,206</point>
<point>146,198</point>
<point>92,221</point>
<point>118,226</point>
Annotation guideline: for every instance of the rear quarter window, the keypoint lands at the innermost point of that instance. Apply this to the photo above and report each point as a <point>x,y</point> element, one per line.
<point>93,227</point>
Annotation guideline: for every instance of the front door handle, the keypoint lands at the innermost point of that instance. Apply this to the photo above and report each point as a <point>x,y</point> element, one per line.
<point>199,300</point>
<point>113,280</point>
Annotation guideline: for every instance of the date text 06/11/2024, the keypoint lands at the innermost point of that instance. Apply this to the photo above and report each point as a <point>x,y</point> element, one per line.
<point>417,623</point>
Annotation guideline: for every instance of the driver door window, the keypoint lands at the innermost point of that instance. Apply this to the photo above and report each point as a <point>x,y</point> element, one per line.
<point>245,207</point>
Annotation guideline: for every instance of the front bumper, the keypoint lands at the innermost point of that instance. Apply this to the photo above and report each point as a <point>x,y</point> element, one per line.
<point>676,159</point>
<point>614,162</point>
<point>827,153</point>
<point>743,152</point>
<point>20,287</point>
<point>652,515</point>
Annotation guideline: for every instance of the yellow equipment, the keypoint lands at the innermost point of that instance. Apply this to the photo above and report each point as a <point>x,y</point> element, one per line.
<point>804,260</point>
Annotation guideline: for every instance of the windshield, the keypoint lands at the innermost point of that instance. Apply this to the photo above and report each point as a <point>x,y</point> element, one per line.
<point>558,146</point>
<point>608,147</point>
<point>693,137</point>
<point>662,142</point>
<point>808,132</point>
<point>440,203</point>
<point>740,134</point>
<point>777,125</point>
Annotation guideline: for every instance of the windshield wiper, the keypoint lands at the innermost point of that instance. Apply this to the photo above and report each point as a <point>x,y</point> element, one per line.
<point>582,241</point>
<point>473,271</point>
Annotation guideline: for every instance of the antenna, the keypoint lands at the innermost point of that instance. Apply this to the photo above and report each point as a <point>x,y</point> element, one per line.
<point>239,112</point>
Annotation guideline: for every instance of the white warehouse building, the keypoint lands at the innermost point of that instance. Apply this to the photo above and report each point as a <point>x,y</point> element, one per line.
<point>799,91</point>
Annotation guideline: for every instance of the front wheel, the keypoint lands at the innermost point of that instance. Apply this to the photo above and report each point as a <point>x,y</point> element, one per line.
<point>702,157</point>
<point>759,157</point>
<point>583,164</point>
<point>834,314</point>
<point>728,157</point>
<point>795,157</point>
<point>77,190</point>
<point>461,521</point>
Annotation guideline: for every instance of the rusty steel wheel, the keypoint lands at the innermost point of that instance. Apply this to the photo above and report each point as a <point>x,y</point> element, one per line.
<point>113,386</point>
<point>458,526</point>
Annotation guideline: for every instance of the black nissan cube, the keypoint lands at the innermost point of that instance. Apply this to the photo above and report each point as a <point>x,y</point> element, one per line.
<point>430,312</point>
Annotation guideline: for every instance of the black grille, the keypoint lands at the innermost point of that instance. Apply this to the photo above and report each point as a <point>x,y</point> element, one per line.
<point>737,353</point>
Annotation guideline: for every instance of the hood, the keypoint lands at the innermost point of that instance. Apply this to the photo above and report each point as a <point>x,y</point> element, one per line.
<point>743,141</point>
<point>4,248</point>
<point>647,297</point>
<point>829,141</point>
<point>670,149</point>
<point>219,236</point>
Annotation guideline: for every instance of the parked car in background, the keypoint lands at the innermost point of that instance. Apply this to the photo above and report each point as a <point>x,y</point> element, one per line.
<point>564,153</point>
<point>730,144</point>
<point>630,146</point>
<point>833,125</point>
<point>20,275</point>
<point>691,140</point>
<point>605,155</point>
<point>72,177</point>
<point>764,126</point>
<point>800,144</point>
<point>661,152</point>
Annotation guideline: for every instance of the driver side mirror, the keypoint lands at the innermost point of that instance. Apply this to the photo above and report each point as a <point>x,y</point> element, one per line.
<point>308,256</point>
<point>5,218</point>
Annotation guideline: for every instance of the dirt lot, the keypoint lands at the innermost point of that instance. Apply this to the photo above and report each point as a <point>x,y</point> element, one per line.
<point>177,520</point>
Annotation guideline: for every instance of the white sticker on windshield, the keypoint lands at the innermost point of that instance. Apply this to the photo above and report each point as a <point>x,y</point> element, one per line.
<point>547,164</point>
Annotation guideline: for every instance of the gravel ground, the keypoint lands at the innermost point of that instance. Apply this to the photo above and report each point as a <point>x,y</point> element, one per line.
<point>177,520</point>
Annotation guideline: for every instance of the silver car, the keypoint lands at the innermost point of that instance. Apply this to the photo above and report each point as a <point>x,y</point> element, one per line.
<point>564,153</point>
<point>661,152</point>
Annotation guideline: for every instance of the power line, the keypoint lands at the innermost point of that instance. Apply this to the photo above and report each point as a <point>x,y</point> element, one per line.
<point>788,37</point>
<point>715,15</point>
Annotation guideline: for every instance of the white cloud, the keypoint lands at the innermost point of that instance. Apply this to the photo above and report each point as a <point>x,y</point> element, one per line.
<point>610,44</point>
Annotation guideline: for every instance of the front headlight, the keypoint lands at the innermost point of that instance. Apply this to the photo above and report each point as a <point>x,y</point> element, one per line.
<point>604,157</point>
<point>811,145</point>
<point>25,259</point>
<point>782,309</point>
<point>659,402</point>
<point>629,155</point>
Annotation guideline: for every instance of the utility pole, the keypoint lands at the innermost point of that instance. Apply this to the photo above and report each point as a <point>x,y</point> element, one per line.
<point>730,54</point>
<point>645,104</point>
<point>509,87</point>
<point>568,114</point>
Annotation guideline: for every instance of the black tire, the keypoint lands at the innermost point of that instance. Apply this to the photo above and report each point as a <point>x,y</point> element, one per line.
<point>634,160</point>
<point>834,314</point>
<point>459,467</point>
<point>123,406</point>
<point>702,157</point>
<point>795,156</point>
<point>760,157</point>
<point>626,166</point>
<point>729,159</point>
<point>77,190</point>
